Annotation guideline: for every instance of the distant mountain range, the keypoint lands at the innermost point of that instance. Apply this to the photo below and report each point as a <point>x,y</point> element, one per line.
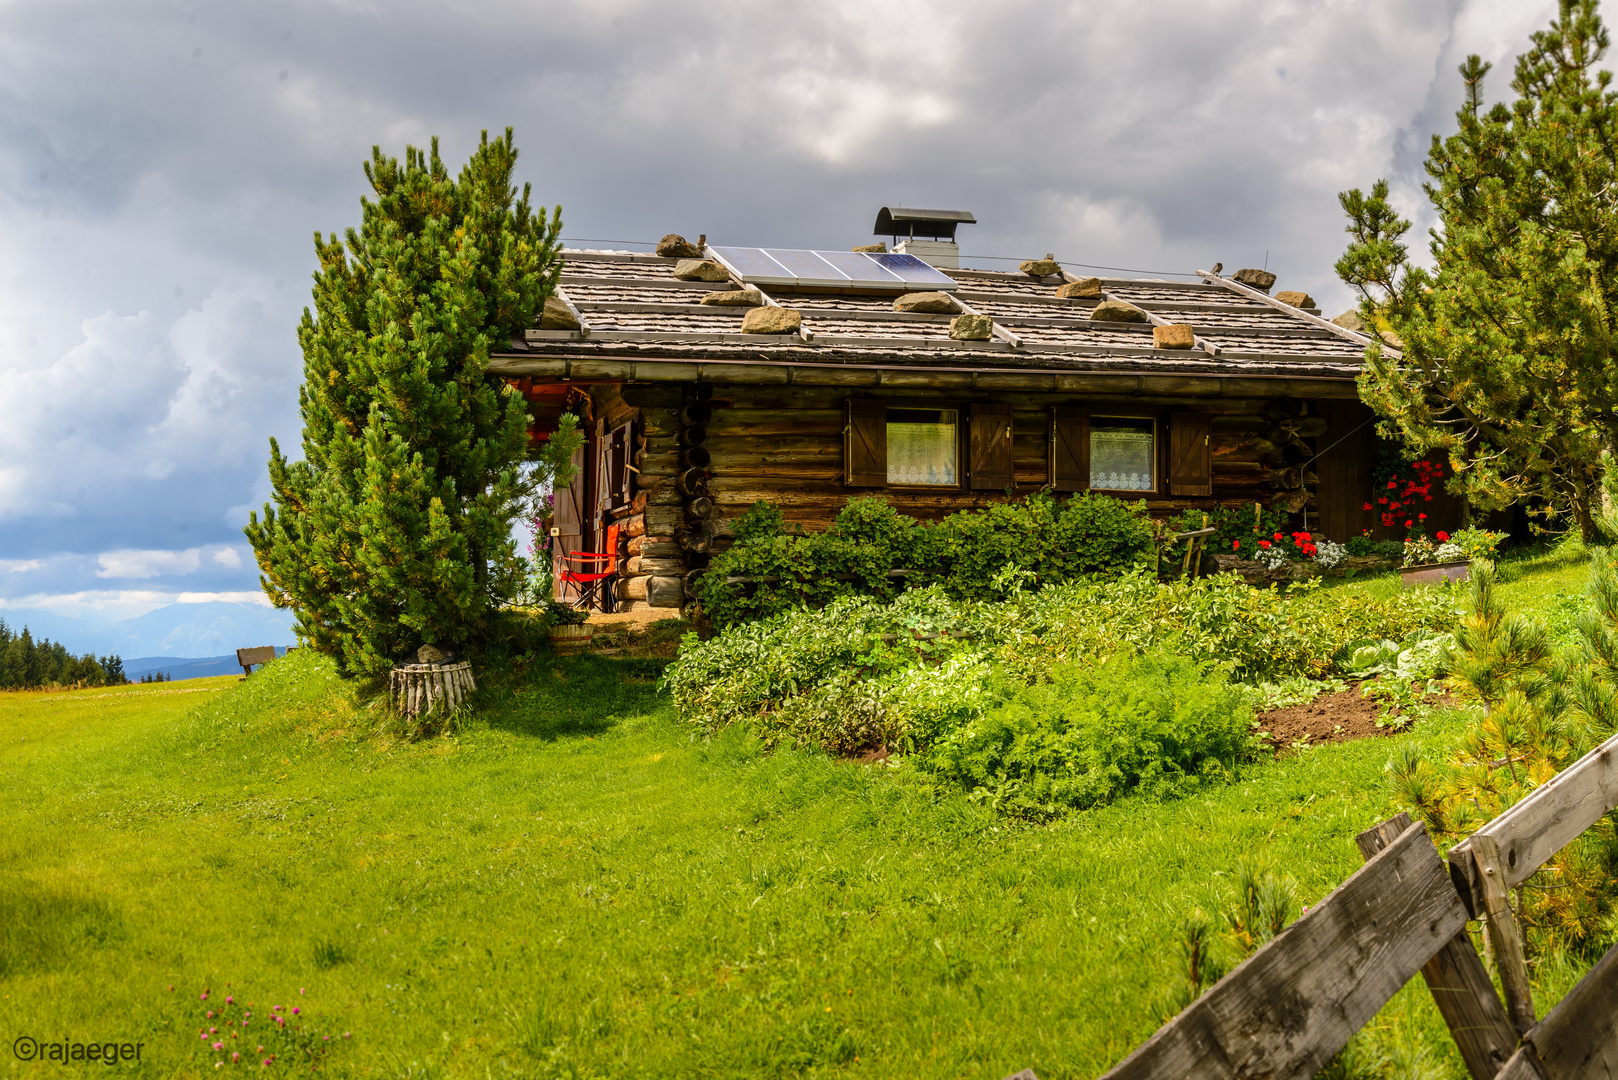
<point>174,632</point>
<point>174,669</point>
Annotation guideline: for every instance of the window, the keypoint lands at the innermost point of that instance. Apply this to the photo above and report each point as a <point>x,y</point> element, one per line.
<point>1123,454</point>
<point>922,447</point>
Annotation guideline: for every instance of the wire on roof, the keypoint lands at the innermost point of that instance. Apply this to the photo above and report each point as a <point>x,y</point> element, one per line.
<point>1087,266</point>
<point>992,258</point>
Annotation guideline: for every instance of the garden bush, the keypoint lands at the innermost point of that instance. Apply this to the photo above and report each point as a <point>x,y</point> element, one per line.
<point>1155,722</point>
<point>973,555</point>
<point>860,674</point>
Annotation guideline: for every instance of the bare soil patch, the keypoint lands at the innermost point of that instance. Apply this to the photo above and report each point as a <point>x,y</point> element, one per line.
<point>1329,718</point>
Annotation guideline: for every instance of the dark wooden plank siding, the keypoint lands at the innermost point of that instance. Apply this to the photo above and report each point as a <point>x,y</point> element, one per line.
<point>1345,458</point>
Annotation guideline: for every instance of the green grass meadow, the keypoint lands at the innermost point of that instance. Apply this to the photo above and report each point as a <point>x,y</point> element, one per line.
<point>574,885</point>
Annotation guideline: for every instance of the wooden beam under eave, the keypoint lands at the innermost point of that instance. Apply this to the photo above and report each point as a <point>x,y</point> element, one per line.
<point>763,373</point>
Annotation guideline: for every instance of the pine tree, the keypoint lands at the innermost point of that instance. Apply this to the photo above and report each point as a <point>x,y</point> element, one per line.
<point>395,528</point>
<point>1507,343</point>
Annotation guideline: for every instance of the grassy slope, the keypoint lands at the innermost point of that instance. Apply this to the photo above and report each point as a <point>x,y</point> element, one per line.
<point>579,885</point>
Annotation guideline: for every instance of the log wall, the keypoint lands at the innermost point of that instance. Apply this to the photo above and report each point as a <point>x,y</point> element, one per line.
<point>703,454</point>
<point>785,445</point>
<point>651,570</point>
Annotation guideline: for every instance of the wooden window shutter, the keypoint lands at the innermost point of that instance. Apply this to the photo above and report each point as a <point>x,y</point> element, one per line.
<point>990,454</point>
<point>1190,457</point>
<point>1070,448</point>
<point>865,443</point>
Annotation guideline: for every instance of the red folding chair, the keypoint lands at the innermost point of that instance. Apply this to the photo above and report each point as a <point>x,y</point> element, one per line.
<point>590,584</point>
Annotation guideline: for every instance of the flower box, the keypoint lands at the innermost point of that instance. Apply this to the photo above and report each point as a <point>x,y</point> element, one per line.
<point>1433,573</point>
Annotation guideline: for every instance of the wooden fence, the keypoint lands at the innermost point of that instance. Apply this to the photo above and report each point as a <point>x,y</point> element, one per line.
<point>1292,1005</point>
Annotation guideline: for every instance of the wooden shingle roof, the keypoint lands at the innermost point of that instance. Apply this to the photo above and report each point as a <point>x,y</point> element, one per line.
<point>634,310</point>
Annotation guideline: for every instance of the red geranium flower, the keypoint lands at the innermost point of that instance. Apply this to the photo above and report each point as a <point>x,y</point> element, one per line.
<point>1442,536</point>
<point>1263,543</point>
<point>1408,523</point>
<point>1235,545</point>
<point>1422,517</point>
<point>1278,536</point>
<point>1367,506</point>
<point>1392,484</point>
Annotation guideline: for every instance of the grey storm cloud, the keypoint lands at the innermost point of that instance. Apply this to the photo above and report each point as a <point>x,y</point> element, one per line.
<point>164,164</point>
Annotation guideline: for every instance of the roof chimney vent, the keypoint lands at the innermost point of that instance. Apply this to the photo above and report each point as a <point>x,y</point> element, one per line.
<point>927,234</point>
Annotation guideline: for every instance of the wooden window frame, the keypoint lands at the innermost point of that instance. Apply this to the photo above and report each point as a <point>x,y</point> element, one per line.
<point>962,445</point>
<point>1160,453</point>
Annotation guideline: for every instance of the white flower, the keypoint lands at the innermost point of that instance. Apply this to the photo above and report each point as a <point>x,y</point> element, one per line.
<point>1273,558</point>
<point>1328,553</point>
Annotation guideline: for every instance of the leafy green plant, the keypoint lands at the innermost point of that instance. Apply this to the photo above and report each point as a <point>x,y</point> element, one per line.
<point>859,674</point>
<point>560,614</point>
<point>974,554</point>
<point>1297,690</point>
<point>1476,543</point>
<point>1156,723</point>
<point>1240,528</point>
<point>1422,653</point>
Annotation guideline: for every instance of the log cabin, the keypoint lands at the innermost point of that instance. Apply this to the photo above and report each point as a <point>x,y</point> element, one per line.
<point>708,378</point>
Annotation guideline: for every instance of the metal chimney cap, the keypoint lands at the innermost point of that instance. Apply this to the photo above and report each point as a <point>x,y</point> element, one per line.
<point>910,221</point>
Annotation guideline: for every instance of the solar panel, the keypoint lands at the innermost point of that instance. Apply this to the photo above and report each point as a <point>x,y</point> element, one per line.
<point>913,272</point>
<point>836,269</point>
<point>859,267</point>
<point>752,265</point>
<point>807,267</point>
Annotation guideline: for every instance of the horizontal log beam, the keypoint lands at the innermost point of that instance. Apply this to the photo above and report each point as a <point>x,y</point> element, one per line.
<point>877,376</point>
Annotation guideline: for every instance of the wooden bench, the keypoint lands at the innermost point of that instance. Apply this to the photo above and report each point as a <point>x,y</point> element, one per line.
<point>247,658</point>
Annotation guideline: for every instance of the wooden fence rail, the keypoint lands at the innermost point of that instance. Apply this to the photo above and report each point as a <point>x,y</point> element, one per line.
<point>1292,1005</point>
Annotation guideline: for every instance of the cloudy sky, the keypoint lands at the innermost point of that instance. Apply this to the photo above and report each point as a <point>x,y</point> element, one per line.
<point>163,166</point>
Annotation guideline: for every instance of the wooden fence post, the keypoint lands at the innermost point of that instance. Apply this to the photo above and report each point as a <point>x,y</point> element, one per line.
<point>1579,1038</point>
<point>1508,954</point>
<point>1458,982</point>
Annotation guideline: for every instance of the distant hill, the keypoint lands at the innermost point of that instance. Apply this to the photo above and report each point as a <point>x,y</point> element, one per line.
<point>197,667</point>
<point>173,632</point>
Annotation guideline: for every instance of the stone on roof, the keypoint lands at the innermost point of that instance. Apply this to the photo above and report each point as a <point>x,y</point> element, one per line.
<point>734,298</point>
<point>1254,279</point>
<point>772,320</point>
<point>971,328</point>
<point>1174,336</point>
<point>557,315</point>
<point>934,303</point>
<point>1117,311</point>
<point>675,246</point>
<point>1083,288</point>
<point>700,270</point>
